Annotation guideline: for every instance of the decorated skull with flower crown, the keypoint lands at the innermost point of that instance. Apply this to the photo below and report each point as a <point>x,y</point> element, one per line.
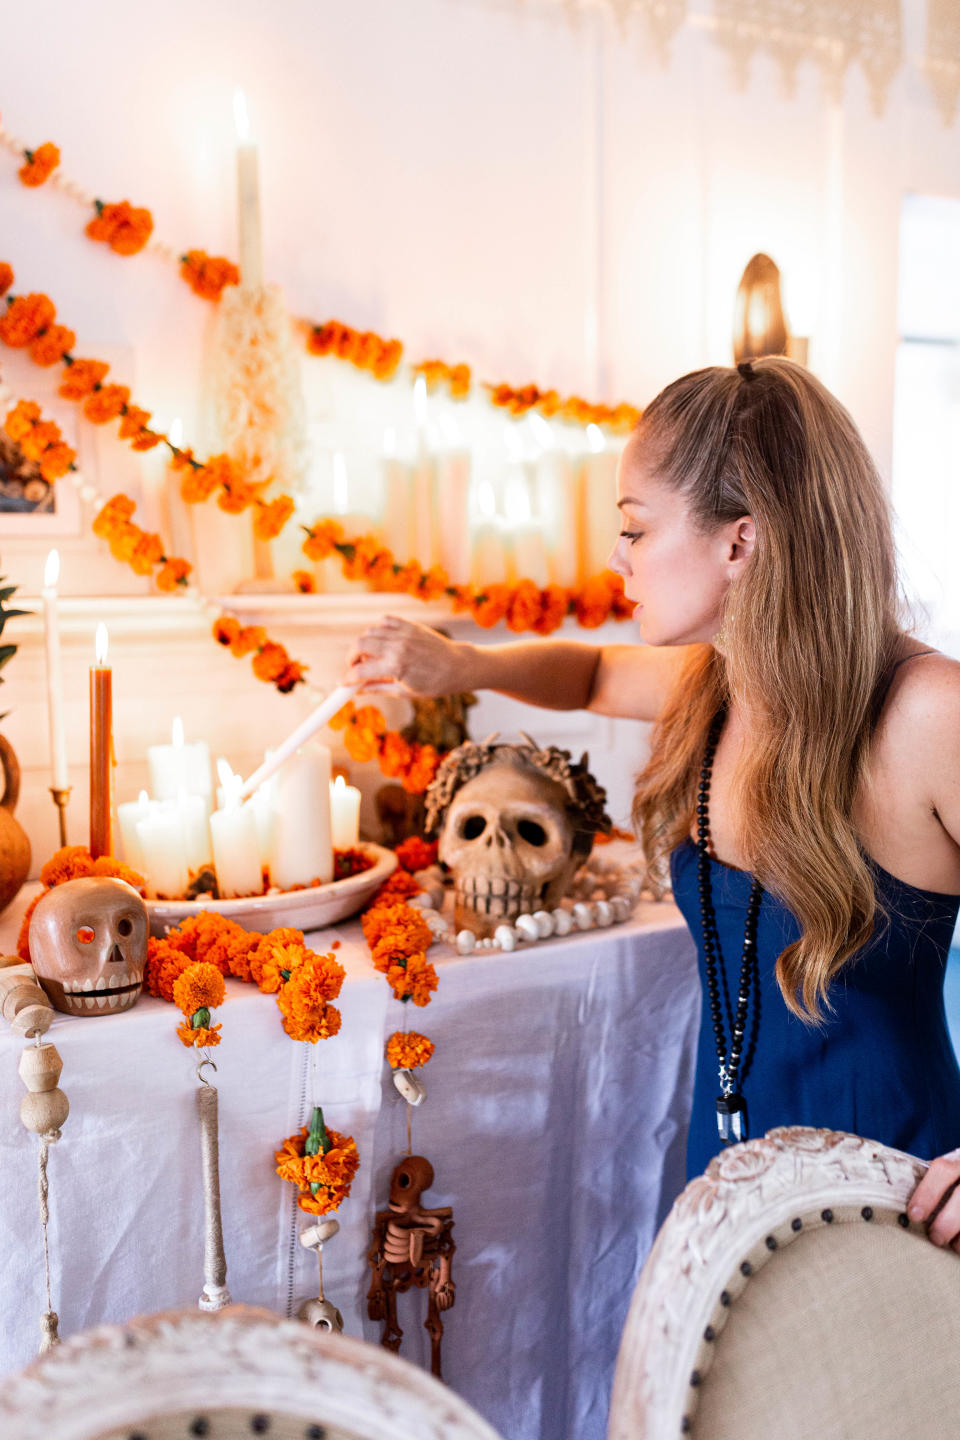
<point>516,821</point>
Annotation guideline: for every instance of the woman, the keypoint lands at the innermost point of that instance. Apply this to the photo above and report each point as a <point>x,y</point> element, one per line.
<point>804,778</point>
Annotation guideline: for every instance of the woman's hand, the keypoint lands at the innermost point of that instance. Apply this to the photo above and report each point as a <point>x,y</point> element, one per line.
<point>937,1189</point>
<point>424,662</point>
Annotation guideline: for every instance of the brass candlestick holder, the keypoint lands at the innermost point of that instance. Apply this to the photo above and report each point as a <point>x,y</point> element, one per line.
<point>61,799</point>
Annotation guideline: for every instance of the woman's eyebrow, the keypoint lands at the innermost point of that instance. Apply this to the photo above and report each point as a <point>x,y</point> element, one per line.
<point>628,501</point>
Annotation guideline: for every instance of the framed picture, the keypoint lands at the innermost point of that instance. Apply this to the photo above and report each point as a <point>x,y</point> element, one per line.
<point>30,505</point>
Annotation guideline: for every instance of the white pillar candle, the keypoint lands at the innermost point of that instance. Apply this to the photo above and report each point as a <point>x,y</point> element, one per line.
<point>396,524</point>
<point>248,198</point>
<point>600,519</point>
<point>561,490</point>
<point>344,814</point>
<point>302,851</point>
<point>160,836</point>
<point>51,639</point>
<point>453,513</point>
<point>179,766</point>
<point>488,556</point>
<point>128,815</point>
<point>236,845</point>
<point>193,813</point>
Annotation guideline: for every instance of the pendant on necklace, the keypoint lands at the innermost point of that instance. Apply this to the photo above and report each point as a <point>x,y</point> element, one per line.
<point>731,1119</point>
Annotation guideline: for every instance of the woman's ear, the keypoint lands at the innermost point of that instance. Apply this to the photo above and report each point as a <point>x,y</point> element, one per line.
<point>742,539</point>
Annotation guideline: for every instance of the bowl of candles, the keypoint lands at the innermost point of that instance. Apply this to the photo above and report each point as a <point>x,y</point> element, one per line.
<point>278,849</point>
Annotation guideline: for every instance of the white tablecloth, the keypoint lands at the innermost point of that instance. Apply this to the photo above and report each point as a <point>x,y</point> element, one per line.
<point>555,1122</point>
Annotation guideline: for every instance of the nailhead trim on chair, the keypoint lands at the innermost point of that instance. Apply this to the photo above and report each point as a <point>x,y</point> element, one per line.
<point>758,1257</point>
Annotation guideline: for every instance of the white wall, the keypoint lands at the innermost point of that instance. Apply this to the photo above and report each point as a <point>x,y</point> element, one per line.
<point>547,201</point>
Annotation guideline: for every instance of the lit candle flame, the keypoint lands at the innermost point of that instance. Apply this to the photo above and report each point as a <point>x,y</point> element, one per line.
<point>420,400</point>
<point>177,732</point>
<point>339,784</point>
<point>230,782</point>
<point>101,644</point>
<point>595,439</point>
<point>241,117</point>
<point>143,798</point>
<point>51,571</point>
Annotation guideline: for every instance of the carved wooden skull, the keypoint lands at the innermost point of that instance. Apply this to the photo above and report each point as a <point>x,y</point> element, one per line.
<point>509,840</point>
<point>88,945</point>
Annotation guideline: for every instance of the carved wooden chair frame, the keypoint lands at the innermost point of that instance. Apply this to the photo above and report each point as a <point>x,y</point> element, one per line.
<point>754,1199</point>
<point>179,1371</point>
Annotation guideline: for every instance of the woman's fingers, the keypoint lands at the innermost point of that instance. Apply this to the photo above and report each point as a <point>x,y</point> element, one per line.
<point>944,1229</point>
<point>942,1174</point>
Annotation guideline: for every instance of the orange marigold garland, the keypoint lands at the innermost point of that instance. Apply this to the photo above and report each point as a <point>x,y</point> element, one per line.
<point>366,736</point>
<point>271,661</point>
<point>40,440</point>
<point>139,549</point>
<point>124,227</point>
<point>364,349</point>
<point>74,862</point>
<point>322,1164</point>
<point>208,275</point>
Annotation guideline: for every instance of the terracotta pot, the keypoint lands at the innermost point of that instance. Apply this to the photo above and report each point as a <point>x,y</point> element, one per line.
<point>14,845</point>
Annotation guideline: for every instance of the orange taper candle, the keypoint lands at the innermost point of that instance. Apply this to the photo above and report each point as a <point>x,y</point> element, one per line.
<point>101,750</point>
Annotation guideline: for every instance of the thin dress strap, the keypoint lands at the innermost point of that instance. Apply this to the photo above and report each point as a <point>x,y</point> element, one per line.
<point>887,680</point>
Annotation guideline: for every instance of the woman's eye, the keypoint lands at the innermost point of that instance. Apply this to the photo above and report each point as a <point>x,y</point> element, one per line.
<point>631,535</point>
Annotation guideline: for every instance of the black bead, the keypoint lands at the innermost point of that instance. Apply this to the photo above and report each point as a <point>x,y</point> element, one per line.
<point>796,1225</point>
<point>826,1216</point>
<point>695,1378</point>
<point>709,1334</point>
<point>771,1242</point>
<point>685,1425</point>
<point>904,1221</point>
<point>724,1298</point>
<point>867,1212</point>
<point>315,1432</point>
<point>746,1268</point>
<point>136,1435</point>
<point>200,1426</point>
<point>260,1424</point>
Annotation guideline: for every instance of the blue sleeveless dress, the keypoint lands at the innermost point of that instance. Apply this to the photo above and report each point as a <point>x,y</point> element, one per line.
<point>881,1066</point>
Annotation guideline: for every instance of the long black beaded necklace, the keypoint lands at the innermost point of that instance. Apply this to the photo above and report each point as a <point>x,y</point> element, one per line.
<point>731,1106</point>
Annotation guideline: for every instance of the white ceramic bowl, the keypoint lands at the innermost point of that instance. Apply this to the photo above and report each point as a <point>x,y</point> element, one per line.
<point>310,909</point>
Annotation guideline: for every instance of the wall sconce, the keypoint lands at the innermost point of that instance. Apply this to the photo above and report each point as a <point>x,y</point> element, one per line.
<point>760,325</point>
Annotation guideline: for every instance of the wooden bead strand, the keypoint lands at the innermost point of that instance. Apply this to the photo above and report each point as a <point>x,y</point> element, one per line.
<point>43,1110</point>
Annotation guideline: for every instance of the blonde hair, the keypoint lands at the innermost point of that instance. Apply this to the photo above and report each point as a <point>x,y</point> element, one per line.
<point>809,632</point>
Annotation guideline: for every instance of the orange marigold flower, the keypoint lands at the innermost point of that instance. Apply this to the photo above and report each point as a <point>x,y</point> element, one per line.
<point>271,517</point>
<point>82,378</point>
<point>422,770</point>
<point>236,495</point>
<point>6,277</point>
<point>204,1037</point>
<point>133,421</point>
<point>172,572</point>
<point>433,583</point>
<point>323,1179</point>
<point>279,960</point>
<point>593,603</point>
<point>364,733</point>
<point>164,964</point>
<point>40,165</point>
<point>386,365</point>
<point>199,987</point>
<point>248,639</point>
<point>400,886</point>
<point>71,862</point>
<point>291,675</point>
<point>414,980</point>
<point>23,938</point>
<point>124,227</point>
<point>310,1026</point>
<point>343,717</point>
<point>21,420</point>
<point>106,403</point>
<point>110,865</point>
<point>304,582</point>
<point>56,461</point>
<point>208,275</point>
<point>225,630</point>
<point>198,485</point>
<point>406,1052</point>
<point>555,603</point>
<point>117,511</point>
<point>147,552</point>
<point>271,662</point>
<point>367,554</point>
<point>322,539</point>
<point>416,853</point>
<point>395,756</point>
<point>490,605</point>
<point>52,345</point>
<point>524,608</point>
<point>25,318</point>
<point>403,924</point>
<point>42,434</point>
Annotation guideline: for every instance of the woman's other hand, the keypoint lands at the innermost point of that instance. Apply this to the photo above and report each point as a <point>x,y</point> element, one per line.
<point>421,660</point>
<point>936,1200</point>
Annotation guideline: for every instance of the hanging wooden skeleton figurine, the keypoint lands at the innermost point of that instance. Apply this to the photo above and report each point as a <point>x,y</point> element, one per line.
<point>412,1247</point>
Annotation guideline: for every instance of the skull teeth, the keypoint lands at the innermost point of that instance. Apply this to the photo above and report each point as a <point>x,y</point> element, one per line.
<point>495,895</point>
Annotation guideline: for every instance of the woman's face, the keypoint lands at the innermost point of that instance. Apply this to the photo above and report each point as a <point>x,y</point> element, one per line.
<point>677,573</point>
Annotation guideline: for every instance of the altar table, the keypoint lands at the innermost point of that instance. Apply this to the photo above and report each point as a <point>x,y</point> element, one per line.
<point>556,1118</point>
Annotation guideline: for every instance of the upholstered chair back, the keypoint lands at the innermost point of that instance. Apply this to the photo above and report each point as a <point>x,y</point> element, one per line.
<point>228,1376</point>
<point>788,1295</point>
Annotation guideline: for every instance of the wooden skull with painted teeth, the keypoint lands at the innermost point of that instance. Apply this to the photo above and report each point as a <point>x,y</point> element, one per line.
<point>88,945</point>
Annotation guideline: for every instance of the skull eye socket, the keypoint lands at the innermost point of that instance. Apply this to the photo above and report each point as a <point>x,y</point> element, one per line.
<point>86,934</point>
<point>125,926</point>
<point>472,826</point>
<point>530,831</point>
